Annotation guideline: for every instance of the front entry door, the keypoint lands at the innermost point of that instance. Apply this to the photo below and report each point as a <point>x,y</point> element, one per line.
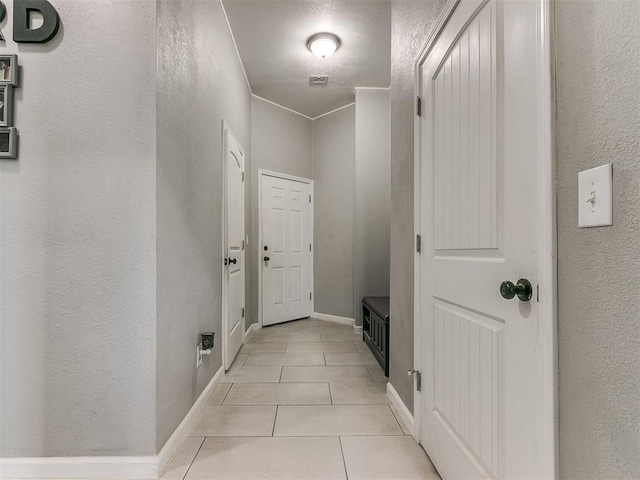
<point>286,249</point>
<point>484,394</point>
<point>234,301</point>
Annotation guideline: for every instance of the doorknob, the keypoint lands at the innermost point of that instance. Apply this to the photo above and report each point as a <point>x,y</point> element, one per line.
<point>230,261</point>
<point>522,289</point>
<point>266,259</point>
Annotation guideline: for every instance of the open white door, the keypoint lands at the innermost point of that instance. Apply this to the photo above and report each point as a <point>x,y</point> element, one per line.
<point>285,250</point>
<point>234,258</point>
<point>486,406</point>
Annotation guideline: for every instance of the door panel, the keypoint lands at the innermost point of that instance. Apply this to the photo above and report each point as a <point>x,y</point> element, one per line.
<point>233,312</point>
<point>286,234</point>
<point>483,396</point>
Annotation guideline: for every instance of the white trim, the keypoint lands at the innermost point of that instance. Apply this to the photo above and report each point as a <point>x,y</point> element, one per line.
<point>261,173</point>
<point>180,433</point>
<point>281,106</point>
<point>253,329</point>
<point>401,408</point>
<point>322,114</point>
<point>334,111</point>
<point>334,318</point>
<point>547,241</point>
<point>547,244</point>
<point>285,176</point>
<point>226,132</point>
<point>357,329</point>
<point>235,45</point>
<point>112,468</point>
<point>372,88</point>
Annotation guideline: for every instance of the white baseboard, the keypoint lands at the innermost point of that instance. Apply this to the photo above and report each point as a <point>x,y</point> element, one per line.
<point>253,329</point>
<point>111,468</point>
<point>334,318</point>
<point>187,423</point>
<point>401,408</point>
<point>357,329</point>
<point>143,468</point>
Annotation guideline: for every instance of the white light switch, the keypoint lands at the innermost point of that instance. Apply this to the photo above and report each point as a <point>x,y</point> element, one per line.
<point>595,192</point>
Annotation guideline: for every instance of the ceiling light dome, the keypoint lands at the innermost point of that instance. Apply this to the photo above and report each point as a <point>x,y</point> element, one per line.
<point>323,45</point>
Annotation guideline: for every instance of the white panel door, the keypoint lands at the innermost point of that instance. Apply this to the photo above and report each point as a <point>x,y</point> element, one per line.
<point>483,394</point>
<point>233,314</point>
<point>285,250</point>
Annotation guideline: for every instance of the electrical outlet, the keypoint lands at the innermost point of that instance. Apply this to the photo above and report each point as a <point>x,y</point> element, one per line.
<point>198,355</point>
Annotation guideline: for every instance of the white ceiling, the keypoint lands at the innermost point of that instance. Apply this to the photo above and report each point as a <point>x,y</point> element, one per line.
<point>272,40</point>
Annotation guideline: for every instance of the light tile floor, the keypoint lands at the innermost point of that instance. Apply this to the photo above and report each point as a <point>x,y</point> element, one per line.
<point>303,400</point>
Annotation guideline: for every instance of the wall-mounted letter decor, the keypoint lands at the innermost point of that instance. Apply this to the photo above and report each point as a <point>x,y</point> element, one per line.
<point>22,10</point>
<point>9,70</point>
<point>8,143</point>
<point>6,106</point>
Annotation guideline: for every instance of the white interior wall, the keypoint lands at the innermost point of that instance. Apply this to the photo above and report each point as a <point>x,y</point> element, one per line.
<point>373,196</point>
<point>200,83</point>
<point>78,238</point>
<point>334,211</point>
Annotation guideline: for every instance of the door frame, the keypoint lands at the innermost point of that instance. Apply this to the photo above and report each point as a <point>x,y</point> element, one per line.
<point>226,362</point>
<point>547,237</point>
<point>268,173</point>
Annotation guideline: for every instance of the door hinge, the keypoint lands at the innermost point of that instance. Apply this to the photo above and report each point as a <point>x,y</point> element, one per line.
<point>416,373</point>
<point>419,107</point>
<point>242,244</point>
<point>310,296</point>
<point>309,247</point>
<point>243,313</point>
<point>418,243</point>
<point>243,176</point>
<point>309,198</point>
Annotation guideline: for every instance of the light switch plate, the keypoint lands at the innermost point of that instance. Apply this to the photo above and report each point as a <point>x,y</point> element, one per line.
<point>595,192</point>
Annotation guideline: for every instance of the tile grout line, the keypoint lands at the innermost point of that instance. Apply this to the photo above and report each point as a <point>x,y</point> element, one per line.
<point>330,396</point>
<point>275,418</point>
<point>344,462</point>
<point>396,419</point>
<point>227,394</point>
<point>194,458</point>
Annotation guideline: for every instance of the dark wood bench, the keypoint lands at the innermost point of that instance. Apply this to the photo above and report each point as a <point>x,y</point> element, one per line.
<point>375,328</point>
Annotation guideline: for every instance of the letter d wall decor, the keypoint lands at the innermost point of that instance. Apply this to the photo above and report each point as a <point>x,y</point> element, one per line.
<point>22,10</point>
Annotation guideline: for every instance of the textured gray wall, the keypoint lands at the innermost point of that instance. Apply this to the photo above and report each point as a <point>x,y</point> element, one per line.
<point>281,141</point>
<point>334,208</point>
<point>200,82</point>
<point>411,23</point>
<point>77,216</point>
<point>373,190</point>
<point>598,99</point>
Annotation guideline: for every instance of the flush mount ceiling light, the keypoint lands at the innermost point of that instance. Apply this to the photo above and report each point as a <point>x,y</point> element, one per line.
<point>323,45</point>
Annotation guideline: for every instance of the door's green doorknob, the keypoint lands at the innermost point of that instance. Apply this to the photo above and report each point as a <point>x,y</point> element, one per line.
<point>522,289</point>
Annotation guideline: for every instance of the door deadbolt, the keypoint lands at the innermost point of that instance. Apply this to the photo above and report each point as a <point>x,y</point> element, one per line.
<point>522,289</point>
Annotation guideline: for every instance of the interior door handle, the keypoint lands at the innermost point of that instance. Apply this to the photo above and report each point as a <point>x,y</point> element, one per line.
<point>266,259</point>
<point>522,289</point>
<point>230,261</point>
